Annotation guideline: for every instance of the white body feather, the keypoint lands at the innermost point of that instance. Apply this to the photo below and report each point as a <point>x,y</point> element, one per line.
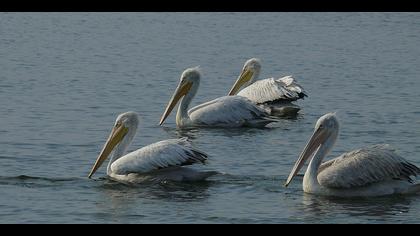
<point>229,111</point>
<point>163,154</point>
<point>270,90</point>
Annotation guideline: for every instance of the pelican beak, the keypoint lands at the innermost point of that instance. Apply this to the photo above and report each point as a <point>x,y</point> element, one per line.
<point>180,91</point>
<point>316,140</point>
<point>117,134</point>
<point>243,78</point>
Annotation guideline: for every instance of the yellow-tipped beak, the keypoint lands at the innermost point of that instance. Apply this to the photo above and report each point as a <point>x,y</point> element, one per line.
<point>244,77</point>
<point>181,90</point>
<point>117,134</point>
<point>317,138</point>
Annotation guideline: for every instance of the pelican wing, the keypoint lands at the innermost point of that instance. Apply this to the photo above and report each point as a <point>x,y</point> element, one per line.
<point>365,166</point>
<point>292,85</point>
<point>229,111</point>
<point>269,90</point>
<point>163,154</point>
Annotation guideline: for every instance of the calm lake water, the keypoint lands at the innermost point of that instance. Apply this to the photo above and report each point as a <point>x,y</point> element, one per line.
<point>66,76</point>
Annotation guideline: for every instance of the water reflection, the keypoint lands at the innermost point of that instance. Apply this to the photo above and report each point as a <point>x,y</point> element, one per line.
<point>128,193</point>
<point>190,133</point>
<point>38,182</point>
<point>383,208</point>
<point>194,133</point>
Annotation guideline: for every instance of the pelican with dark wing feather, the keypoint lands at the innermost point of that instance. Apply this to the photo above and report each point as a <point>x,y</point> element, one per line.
<point>274,95</point>
<point>370,171</point>
<point>164,160</point>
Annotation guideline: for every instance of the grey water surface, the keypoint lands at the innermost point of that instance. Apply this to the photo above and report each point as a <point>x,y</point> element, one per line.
<point>64,77</point>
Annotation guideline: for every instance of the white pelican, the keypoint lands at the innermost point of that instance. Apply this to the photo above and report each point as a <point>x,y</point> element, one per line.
<point>227,111</point>
<point>274,95</point>
<point>371,171</point>
<point>163,160</point>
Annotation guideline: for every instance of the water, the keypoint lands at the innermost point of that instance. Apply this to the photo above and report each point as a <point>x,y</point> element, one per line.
<point>66,76</point>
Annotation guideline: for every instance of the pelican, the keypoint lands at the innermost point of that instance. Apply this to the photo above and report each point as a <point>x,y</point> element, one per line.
<point>274,95</point>
<point>370,171</point>
<point>164,160</point>
<point>227,111</point>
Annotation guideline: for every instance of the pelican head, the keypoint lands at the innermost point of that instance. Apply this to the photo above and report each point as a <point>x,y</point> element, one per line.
<point>189,81</point>
<point>324,136</point>
<point>250,71</point>
<point>125,126</point>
